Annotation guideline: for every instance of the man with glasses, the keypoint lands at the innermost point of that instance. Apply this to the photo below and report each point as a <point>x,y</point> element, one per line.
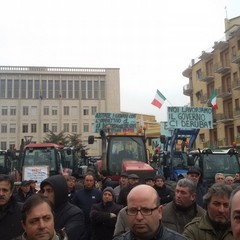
<point>144,216</point>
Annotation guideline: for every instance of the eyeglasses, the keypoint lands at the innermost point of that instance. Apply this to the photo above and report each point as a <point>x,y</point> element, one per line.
<point>143,211</point>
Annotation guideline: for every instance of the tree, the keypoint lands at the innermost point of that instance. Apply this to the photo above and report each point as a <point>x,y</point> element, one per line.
<point>60,138</point>
<point>74,140</point>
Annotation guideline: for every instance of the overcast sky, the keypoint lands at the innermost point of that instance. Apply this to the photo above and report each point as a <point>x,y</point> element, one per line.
<point>151,41</point>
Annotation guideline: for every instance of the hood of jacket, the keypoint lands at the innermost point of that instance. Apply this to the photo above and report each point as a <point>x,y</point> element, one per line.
<point>59,185</point>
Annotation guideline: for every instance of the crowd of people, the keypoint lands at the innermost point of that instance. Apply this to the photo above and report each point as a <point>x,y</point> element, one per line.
<point>84,209</point>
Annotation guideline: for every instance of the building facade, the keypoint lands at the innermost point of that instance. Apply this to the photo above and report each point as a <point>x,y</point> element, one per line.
<point>34,100</point>
<point>219,69</point>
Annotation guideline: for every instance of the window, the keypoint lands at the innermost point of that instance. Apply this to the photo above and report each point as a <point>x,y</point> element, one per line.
<point>57,89</point>
<point>74,127</point>
<point>50,88</point>
<point>70,89</point>
<point>89,89</point>
<point>66,110</point>
<point>237,105</point>
<point>12,128</point>
<point>30,88</point>
<point>4,111</point>
<point>23,89</point>
<point>13,111</point>
<point>96,89</point>
<point>199,74</point>
<point>25,128</point>
<point>66,127</point>
<point>33,127</point>
<point>3,128</point>
<point>64,88</point>
<point>54,110</point>
<point>54,127</point>
<point>45,111</point>
<point>76,89</point>
<point>25,110</point>
<point>85,111</point>
<point>34,111</point>
<point>9,88</point>
<point>83,89</point>
<point>202,137</point>
<point>16,89</point>
<point>45,127</point>
<point>85,127</point>
<point>94,110</point>
<point>102,89</point>
<point>36,89</point>
<point>4,145</point>
<point>74,111</point>
<point>44,89</point>
<point>3,86</point>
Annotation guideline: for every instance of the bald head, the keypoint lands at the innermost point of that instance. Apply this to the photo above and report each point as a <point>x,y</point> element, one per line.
<point>144,192</point>
<point>144,211</point>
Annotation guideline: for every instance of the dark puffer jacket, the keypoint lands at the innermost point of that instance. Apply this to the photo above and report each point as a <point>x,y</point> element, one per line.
<point>103,224</point>
<point>67,215</point>
<point>10,220</point>
<point>163,234</point>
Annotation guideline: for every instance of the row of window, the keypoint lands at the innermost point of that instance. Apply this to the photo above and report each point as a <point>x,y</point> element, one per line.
<point>32,128</point>
<point>52,89</point>
<point>32,110</point>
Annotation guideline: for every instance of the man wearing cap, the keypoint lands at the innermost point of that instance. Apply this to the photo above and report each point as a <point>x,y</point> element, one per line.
<point>195,174</point>
<point>133,180</point>
<point>123,182</point>
<point>103,216</point>
<point>24,191</point>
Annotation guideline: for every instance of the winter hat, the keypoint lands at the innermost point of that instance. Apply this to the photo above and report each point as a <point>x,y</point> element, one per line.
<point>109,189</point>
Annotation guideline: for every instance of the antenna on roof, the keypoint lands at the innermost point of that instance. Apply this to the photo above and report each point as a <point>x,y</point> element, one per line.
<point>226,11</point>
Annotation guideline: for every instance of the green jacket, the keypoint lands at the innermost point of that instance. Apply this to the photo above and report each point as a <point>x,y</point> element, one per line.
<point>201,228</point>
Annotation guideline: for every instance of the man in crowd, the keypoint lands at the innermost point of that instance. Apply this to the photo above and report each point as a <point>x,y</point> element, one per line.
<point>38,220</point>
<point>133,180</point>
<point>235,213</point>
<point>195,174</point>
<point>183,208</point>
<point>85,198</point>
<point>144,216</point>
<point>149,181</point>
<point>123,182</point>
<point>229,180</point>
<point>66,215</point>
<point>215,223</point>
<point>10,210</point>
<point>71,183</point>
<point>219,178</point>
<point>24,191</point>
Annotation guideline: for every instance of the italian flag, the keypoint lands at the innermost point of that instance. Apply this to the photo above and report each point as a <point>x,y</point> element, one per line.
<point>158,100</point>
<point>213,99</point>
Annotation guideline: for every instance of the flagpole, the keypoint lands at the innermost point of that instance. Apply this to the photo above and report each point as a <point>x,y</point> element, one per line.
<point>169,102</point>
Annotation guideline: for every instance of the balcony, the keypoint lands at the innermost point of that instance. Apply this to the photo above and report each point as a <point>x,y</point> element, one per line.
<point>206,77</point>
<point>206,55</point>
<point>236,84</point>
<point>236,112</point>
<point>221,69</point>
<point>236,58</point>
<point>224,93</point>
<point>220,45</point>
<point>188,89</point>
<point>224,117</point>
<point>187,72</point>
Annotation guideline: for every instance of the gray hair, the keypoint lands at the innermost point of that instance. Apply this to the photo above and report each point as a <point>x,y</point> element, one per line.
<point>219,189</point>
<point>184,182</point>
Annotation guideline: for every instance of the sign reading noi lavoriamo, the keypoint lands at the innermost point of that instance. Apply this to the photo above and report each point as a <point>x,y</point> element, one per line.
<point>119,122</point>
<point>190,117</point>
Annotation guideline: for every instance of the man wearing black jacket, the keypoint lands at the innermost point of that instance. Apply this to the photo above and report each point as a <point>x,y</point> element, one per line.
<point>10,210</point>
<point>68,217</point>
